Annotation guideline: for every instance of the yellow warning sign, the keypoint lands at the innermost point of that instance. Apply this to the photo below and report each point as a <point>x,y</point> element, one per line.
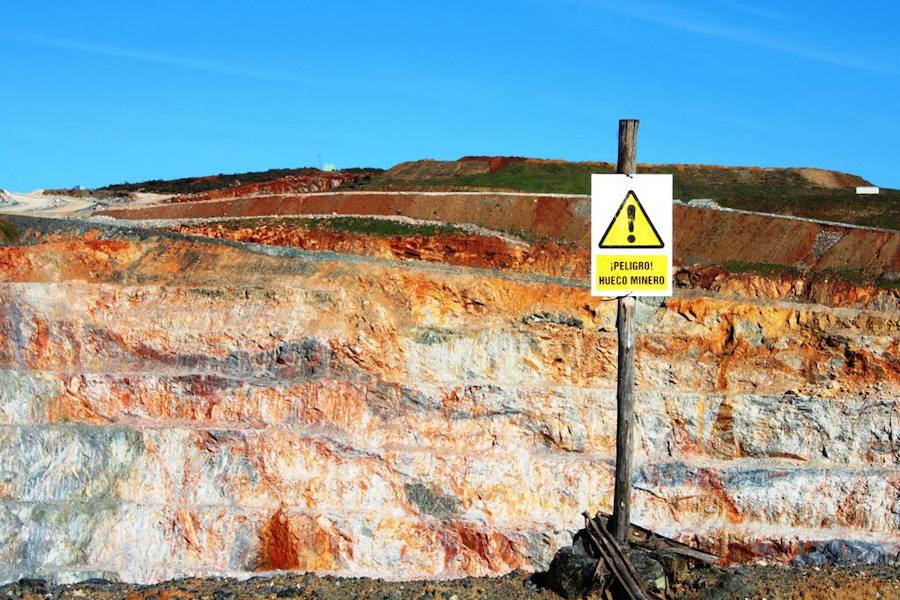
<point>647,272</point>
<point>631,238</point>
<point>631,227</point>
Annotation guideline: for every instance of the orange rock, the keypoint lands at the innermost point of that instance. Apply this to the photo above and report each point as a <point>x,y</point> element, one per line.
<point>194,407</point>
<point>303,543</point>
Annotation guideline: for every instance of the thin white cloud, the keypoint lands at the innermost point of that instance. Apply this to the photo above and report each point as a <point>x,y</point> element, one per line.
<point>162,58</point>
<point>699,24</point>
<point>755,10</point>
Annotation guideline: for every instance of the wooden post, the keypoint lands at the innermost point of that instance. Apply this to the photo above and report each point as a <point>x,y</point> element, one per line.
<point>621,519</point>
<point>628,130</point>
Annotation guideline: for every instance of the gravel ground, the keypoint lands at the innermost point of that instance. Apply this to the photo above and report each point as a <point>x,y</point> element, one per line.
<point>757,583</point>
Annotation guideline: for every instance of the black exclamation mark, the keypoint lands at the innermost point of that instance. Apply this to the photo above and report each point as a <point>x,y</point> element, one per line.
<point>631,212</point>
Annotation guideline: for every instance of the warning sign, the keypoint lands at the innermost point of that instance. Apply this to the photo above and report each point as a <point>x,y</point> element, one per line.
<point>631,235</point>
<point>631,227</point>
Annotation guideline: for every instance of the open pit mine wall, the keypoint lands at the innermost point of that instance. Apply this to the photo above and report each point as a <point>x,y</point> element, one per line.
<point>701,236</point>
<point>174,406</point>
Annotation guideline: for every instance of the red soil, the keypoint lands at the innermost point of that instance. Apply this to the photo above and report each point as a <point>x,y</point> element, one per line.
<point>702,237</point>
<point>292,184</point>
<point>495,163</point>
<point>545,258</point>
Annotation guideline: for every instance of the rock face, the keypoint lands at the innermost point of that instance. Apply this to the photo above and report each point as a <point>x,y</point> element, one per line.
<point>290,184</point>
<point>454,248</point>
<point>701,236</point>
<point>173,406</point>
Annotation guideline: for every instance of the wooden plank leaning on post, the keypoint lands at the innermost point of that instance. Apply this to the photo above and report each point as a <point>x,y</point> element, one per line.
<point>628,130</point>
<point>615,561</point>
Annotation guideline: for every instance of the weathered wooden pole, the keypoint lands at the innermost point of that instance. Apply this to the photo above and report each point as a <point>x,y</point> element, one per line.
<point>628,131</point>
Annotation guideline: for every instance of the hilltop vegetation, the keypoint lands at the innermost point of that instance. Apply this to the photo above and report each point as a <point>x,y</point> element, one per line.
<point>196,185</point>
<point>8,232</point>
<point>810,193</point>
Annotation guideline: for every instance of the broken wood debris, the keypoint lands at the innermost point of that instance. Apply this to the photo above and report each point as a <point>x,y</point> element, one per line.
<point>615,560</point>
<point>649,540</point>
<point>646,561</point>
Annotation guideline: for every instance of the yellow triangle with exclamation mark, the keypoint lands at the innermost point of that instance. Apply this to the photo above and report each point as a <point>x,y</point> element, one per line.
<point>631,227</point>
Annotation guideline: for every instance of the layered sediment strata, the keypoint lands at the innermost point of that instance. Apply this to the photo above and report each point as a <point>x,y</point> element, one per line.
<point>176,406</point>
<point>460,248</point>
<point>702,236</point>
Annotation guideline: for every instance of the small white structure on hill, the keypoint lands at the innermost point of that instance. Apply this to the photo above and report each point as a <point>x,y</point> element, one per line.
<point>866,189</point>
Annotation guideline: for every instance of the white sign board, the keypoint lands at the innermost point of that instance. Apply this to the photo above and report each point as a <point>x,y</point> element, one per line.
<point>866,189</point>
<point>631,235</point>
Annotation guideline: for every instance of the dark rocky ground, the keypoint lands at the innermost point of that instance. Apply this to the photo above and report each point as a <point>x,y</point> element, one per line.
<point>756,583</point>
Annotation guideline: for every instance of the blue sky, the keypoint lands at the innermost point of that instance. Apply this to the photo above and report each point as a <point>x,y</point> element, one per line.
<point>102,92</point>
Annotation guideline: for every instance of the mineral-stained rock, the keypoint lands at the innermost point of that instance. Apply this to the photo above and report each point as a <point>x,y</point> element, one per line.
<point>290,184</point>
<point>547,257</point>
<point>173,406</point>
